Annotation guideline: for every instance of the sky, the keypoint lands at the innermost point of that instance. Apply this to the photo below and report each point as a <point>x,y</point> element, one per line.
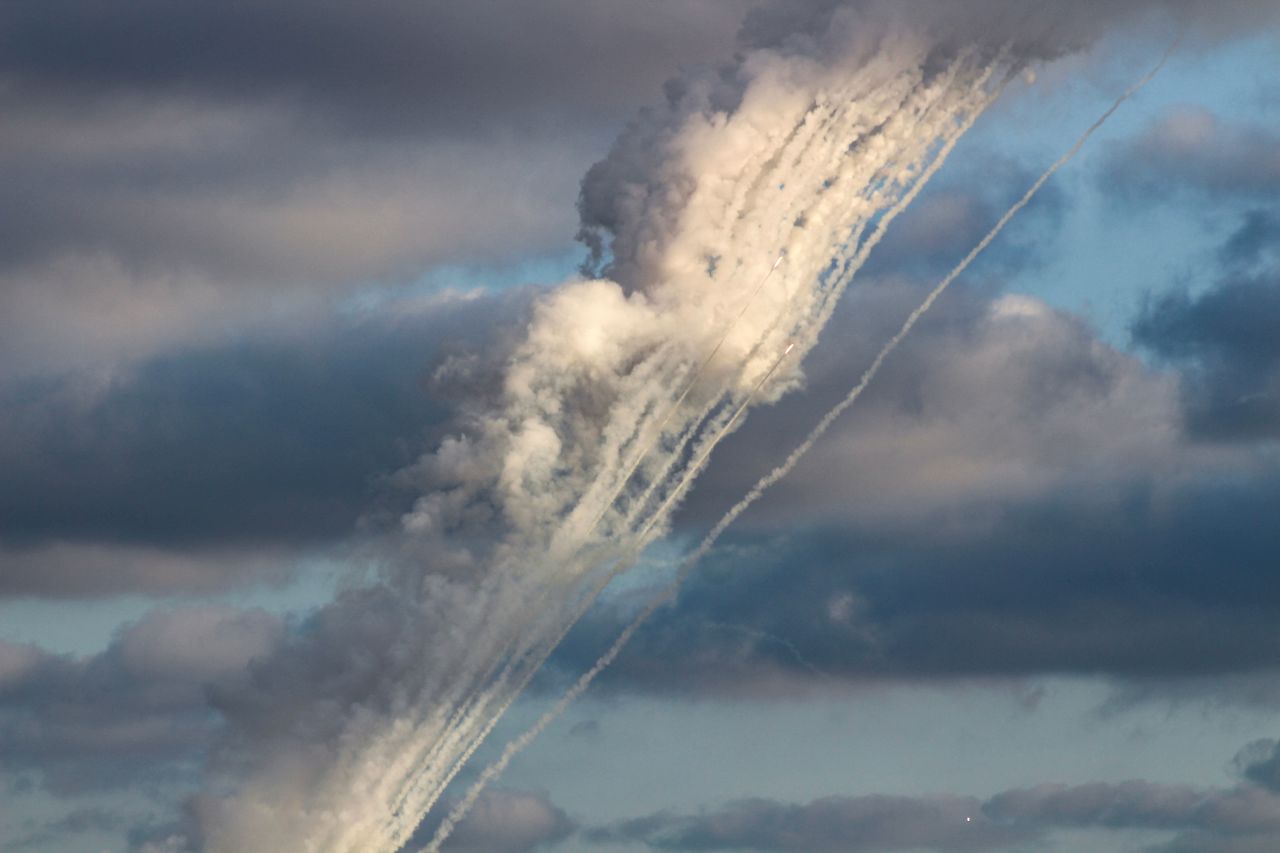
<point>274,278</point>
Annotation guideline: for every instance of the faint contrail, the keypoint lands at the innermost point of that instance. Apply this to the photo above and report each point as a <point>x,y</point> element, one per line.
<point>668,593</point>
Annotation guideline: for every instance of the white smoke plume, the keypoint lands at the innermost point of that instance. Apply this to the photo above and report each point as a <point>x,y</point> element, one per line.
<point>726,223</point>
<point>687,565</point>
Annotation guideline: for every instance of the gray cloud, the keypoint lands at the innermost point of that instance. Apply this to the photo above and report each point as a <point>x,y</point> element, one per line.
<point>210,465</point>
<point>998,399</point>
<point>502,821</point>
<point>1221,819</point>
<point>390,64</point>
<point>845,824</point>
<point>96,266</point>
<point>1259,763</point>
<point>1224,339</point>
<point>1053,587</point>
<point>214,198</point>
<point>170,173</point>
<point>74,823</point>
<point>1014,498</point>
<point>1047,30</point>
<point>1241,818</point>
<point>951,217</point>
<point>1254,243</point>
<point>1190,148</point>
<point>134,714</point>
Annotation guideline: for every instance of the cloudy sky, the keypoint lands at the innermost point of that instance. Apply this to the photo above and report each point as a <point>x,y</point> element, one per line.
<point>258,261</point>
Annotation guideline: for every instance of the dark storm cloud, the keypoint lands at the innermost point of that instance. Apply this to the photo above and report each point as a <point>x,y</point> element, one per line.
<point>175,474</point>
<point>134,714</point>
<point>1225,340</point>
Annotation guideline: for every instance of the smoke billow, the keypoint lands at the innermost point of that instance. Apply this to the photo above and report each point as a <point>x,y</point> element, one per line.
<point>724,225</point>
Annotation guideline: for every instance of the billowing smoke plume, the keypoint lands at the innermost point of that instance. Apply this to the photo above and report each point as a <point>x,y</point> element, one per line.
<point>724,225</point>
<point>521,742</point>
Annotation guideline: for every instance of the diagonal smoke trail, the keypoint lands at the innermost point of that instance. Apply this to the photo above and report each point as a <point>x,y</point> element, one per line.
<point>689,472</point>
<point>932,161</point>
<point>718,429</point>
<point>852,264</point>
<point>473,705</point>
<point>690,189</point>
<point>687,565</point>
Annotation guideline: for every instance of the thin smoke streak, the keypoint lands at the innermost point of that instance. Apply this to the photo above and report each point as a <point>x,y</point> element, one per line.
<point>667,594</point>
